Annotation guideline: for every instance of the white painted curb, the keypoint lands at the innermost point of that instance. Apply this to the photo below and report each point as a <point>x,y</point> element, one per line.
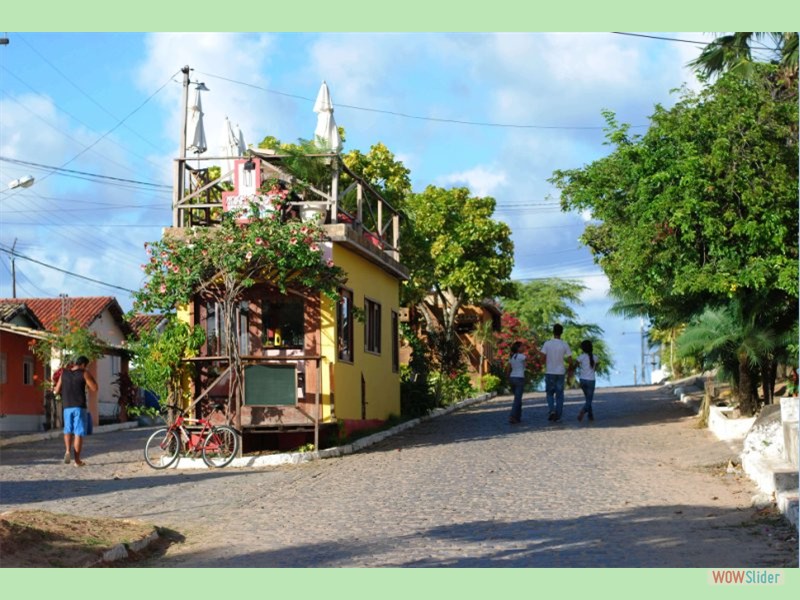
<point>296,458</point>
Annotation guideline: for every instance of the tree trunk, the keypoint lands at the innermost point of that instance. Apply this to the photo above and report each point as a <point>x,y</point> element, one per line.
<point>746,402</point>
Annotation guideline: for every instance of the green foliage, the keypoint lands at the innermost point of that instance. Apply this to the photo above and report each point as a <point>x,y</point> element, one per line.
<point>542,304</point>
<point>704,204</point>
<point>379,167</point>
<point>701,211</point>
<point>158,358</point>
<point>734,53</point>
<point>450,388</point>
<point>68,340</point>
<point>235,254</point>
<point>491,383</point>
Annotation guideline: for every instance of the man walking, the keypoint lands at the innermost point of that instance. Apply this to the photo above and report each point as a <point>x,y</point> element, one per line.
<point>555,351</point>
<point>72,386</point>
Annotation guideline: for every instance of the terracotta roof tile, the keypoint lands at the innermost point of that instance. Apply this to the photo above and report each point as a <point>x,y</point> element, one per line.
<point>83,310</point>
<point>140,322</point>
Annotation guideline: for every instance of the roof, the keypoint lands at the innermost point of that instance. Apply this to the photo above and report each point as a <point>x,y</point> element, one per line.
<point>140,323</point>
<point>83,310</point>
<point>12,312</point>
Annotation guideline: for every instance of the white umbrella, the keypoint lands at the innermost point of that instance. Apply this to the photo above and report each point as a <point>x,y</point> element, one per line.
<point>233,147</point>
<point>326,130</point>
<point>195,131</point>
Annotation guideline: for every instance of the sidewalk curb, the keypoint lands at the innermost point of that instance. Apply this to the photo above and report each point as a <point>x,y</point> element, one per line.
<point>121,551</point>
<point>296,458</point>
<point>764,473</point>
<point>57,433</point>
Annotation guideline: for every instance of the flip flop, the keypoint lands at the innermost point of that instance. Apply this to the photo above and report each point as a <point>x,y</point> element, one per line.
<point>66,458</point>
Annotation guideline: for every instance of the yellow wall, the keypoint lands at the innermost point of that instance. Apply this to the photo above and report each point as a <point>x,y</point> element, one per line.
<point>382,385</point>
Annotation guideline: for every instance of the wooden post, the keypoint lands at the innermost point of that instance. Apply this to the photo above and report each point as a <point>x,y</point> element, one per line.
<point>317,404</point>
<point>334,207</point>
<point>396,237</point>
<point>359,204</point>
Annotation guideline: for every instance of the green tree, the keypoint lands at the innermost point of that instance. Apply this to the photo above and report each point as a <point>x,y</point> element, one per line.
<point>458,254</point>
<point>702,209</point>
<point>219,263</point>
<point>732,339</point>
<point>739,52</point>
<point>158,354</point>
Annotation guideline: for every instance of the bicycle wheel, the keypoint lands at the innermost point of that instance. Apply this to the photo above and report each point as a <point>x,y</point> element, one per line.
<point>220,446</point>
<point>162,448</point>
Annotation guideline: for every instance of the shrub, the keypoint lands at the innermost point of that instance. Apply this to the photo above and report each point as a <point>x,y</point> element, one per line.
<point>491,383</point>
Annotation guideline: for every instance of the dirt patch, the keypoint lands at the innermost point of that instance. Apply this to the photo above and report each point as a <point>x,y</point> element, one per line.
<point>37,538</point>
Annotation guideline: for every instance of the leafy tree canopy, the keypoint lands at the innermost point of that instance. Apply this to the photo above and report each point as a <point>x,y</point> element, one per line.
<point>703,207</point>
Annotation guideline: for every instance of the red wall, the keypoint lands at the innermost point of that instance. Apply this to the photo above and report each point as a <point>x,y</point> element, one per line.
<point>16,398</point>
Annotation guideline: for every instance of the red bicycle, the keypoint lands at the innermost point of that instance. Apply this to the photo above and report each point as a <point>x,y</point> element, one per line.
<point>217,444</point>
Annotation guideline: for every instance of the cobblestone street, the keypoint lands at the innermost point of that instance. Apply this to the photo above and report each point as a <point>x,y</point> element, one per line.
<point>642,486</point>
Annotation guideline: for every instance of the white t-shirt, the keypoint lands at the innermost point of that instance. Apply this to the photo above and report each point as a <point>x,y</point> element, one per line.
<point>517,362</point>
<point>555,350</point>
<point>587,371</point>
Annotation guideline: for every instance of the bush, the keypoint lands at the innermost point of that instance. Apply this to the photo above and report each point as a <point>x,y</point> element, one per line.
<point>449,389</point>
<point>416,398</point>
<point>491,383</point>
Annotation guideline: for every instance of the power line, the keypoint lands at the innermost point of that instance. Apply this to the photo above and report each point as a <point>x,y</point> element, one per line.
<point>669,39</point>
<point>110,131</point>
<point>93,176</point>
<point>92,100</point>
<point>70,273</point>
<point>410,116</point>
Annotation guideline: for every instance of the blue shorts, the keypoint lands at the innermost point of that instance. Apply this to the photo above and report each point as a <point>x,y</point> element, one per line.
<point>75,421</point>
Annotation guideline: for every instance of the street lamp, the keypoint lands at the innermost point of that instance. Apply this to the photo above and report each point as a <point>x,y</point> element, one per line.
<point>22,182</point>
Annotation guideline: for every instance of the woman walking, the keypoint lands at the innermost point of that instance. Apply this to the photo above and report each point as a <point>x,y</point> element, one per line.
<point>516,365</point>
<point>588,366</point>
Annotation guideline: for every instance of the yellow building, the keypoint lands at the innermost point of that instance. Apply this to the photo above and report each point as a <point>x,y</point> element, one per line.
<point>308,361</point>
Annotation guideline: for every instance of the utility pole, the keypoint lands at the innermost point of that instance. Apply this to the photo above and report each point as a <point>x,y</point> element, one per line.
<point>177,193</point>
<point>13,270</point>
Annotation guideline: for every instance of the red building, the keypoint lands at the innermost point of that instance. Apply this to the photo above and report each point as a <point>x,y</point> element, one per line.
<point>21,372</point>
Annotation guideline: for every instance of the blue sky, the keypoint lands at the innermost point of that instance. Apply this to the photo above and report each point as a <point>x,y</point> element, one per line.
<point>109,104</point>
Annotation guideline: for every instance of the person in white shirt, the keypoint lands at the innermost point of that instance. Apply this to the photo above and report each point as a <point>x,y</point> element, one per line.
<point>556,351</point>
<point>516,377</point>
<point>588,366</point>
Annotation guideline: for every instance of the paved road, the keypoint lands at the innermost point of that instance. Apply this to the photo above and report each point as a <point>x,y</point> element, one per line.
<point>639,487</point>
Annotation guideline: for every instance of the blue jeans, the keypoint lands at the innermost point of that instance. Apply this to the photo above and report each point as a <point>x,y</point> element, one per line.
<point>587,385</point>
<point>518,386</point>
<point>554,388</point>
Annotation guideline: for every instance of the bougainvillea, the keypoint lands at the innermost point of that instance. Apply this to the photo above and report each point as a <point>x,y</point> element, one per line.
<point>195,259</point>
<point>513,330</point>
<point>219,263</point>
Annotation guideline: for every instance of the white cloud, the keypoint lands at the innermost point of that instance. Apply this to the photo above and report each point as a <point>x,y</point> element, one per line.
<point>482,181</point>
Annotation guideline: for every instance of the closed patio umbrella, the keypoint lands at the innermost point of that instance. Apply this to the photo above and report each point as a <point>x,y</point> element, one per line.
<point>232,147</point>
<point>326,131</point>
<point>195,131</point>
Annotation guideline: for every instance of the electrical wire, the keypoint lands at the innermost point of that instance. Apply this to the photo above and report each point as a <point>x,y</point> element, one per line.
<point>70,273</point>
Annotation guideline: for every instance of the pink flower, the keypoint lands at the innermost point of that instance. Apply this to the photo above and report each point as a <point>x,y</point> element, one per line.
<point>314,247</point>
<point>205,252</point>
<point>164,254</point>
<point>329,262</point>
<point>259,241</point>
<point>249,255</point>
<point>143,267</point>
<point>293,241</point>
<point>176,269</point>
<point>163,289</point>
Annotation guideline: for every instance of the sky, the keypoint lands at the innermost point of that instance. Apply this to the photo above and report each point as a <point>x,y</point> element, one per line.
<point>95,118</point>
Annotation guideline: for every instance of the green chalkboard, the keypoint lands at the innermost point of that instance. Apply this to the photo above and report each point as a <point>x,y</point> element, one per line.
<point>270,385</point>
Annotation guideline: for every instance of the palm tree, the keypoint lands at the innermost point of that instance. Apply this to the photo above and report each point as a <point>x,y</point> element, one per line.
<point>737,52</point>
<point>734,342</point>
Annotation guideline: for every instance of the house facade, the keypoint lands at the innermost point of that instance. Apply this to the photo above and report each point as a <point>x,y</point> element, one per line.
<point>308,361</point>
<point>21,371</point>
<point>102,316</point>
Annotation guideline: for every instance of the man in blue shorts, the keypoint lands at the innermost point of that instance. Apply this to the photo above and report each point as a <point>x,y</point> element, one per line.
<point>72,386</point>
